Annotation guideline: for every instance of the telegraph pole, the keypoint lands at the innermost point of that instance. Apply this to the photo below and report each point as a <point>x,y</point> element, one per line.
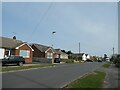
<point>79,49</point>
<point>113,51</point>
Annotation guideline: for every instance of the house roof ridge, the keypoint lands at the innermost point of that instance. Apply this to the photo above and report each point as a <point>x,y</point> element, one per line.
<point>11,38</point>
<point>39,44</point>
<point>10,43</point>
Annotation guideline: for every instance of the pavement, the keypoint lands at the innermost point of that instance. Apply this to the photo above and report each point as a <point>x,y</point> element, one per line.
<point>112,78</point>
<point>54,77</point>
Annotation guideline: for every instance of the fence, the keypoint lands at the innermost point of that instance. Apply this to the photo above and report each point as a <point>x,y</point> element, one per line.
<point>42,60</point>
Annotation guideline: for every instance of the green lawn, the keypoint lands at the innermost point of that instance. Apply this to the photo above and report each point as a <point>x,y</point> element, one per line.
<point>24,67</point>
<point>107,65</point>
<point>93,80</point>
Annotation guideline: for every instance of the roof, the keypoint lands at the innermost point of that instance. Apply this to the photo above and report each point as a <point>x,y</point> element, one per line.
<point>10,43</point>
<point>77,54</point>
<point>63,53</point>
<point>58,51</point>
<point>40,47</point>
<point>86,54</point>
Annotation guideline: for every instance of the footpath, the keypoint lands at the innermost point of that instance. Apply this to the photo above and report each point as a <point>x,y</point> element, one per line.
<point>112,79</point>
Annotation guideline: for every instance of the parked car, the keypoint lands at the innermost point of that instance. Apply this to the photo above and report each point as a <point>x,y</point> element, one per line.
<point>56,60</point>
<point>99,60</point>
<point>19,60</point>
<point>89,60</point>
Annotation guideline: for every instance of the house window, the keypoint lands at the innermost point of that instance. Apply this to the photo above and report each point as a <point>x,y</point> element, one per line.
<point>25,53</point>
<point>49,55</point>
<point>7,52</point>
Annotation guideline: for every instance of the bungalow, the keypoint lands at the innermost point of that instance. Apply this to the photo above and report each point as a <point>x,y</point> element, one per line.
<point>15,47</point>
<point>61,54</point>
<point>41,51</point>
<point>83,56</point>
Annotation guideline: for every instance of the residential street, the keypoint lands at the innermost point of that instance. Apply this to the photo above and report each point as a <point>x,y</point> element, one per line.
<point>54,77</point>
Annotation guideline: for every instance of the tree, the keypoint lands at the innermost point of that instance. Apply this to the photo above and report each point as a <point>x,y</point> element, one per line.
<point>69,52</point>
<point>63,51</point>
<point>116,60</point>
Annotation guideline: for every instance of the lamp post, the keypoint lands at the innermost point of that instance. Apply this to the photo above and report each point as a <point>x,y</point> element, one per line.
<point>79,49</point>
<point>53,35</point>
<point>52,47</point>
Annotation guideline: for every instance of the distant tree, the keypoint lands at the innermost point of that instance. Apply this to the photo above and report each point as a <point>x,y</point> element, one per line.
<point>63,51</point>
<point>69,52</point>
<point>14,37</point>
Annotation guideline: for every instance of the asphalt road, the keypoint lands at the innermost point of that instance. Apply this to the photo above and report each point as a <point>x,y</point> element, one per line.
<point>54,77</point>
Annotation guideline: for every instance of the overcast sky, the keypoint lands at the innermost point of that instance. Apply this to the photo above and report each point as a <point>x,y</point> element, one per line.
<point>92,24</point>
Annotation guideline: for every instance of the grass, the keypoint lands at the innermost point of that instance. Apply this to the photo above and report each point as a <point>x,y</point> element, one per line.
<point>107,65</point>
<point>93,80</point>
<point>23,68</point>
<point>70,61</point>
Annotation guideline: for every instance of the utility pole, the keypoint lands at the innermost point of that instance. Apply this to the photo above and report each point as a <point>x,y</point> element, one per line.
<point>113,51</point>
<point>79,49</point>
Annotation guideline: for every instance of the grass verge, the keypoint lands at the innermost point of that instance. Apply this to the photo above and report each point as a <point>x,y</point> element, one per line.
<point>92,80</point>
<point>107,65</point>
<point>23,68</point>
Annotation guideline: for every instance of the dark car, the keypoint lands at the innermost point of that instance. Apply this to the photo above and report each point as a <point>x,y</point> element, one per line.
<point>19,60</point>
<point>56,60</point>
<point>99,60</point>
<point>89,60</point>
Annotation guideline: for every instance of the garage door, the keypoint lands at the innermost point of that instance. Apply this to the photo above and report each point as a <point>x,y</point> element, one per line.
<point>2,53</point>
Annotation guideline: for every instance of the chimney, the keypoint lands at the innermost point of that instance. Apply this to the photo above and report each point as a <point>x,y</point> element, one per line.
<point>14,37</point>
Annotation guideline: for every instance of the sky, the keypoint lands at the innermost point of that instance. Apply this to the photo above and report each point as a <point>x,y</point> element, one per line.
<point>93,24</point>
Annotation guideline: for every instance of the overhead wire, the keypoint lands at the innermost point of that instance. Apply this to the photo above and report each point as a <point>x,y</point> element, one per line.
<point>40,21</point>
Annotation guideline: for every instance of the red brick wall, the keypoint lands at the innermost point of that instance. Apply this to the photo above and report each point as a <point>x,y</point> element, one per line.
<point>25,47</point>
<point>50,51</point>
<point>38,53</point>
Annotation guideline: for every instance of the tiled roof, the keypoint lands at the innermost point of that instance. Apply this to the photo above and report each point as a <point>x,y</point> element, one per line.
<point>9,43</point>
<point>40,47</point>
<point>43,48</point>
<point>77,54</point>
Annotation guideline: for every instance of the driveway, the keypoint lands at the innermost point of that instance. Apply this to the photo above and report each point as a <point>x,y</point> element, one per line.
<point>54,77</point>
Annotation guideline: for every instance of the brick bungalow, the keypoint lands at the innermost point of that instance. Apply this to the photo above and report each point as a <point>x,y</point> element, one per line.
<point>41,51</point>
<point>15,47</point>
<point>61,54</point>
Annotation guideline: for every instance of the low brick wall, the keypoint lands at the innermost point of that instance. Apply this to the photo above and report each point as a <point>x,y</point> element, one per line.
<point>42,60</point>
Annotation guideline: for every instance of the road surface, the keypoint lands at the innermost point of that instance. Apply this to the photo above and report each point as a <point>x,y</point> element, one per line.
<point>54,77</point>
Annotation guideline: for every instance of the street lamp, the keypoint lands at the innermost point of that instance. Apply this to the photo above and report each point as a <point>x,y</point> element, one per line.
<point>52,36</point>
<point>52,46</point>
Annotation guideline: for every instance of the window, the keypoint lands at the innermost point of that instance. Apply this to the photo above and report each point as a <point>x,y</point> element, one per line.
<point>49,55</point>
<point>7,52</point>
<point>25,53</point>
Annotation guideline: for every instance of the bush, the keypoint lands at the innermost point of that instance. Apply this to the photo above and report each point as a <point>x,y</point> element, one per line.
<point>116,60</point>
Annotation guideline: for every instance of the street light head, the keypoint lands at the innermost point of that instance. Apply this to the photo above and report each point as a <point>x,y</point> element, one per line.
<point>53,32</point>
